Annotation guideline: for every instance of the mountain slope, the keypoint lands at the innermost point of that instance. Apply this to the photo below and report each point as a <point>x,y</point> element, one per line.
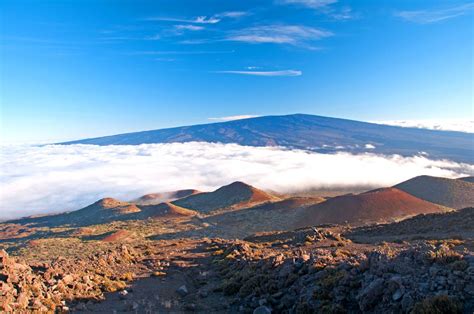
<point>165,210</point>
<point>310,132</point>
<point>452,193</point>
<point>234,195</point>
<point>438,225</point>
<point>237,194</point>
<point>104,211</point>
<point>289,203</point>
<point>379,205</point>
<point>156,198</point>
<point>467,179</point>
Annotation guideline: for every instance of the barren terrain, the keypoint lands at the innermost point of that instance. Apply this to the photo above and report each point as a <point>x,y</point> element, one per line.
<point>242,253</point>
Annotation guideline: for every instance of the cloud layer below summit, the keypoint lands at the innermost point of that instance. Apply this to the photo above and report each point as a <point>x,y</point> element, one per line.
<point>51,179</point>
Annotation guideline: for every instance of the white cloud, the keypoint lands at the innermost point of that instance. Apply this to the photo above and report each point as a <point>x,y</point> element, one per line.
<point>165,59</point>
<point>437,15</point>
<point>369,146</point>
<point>232,118</point>
<point>203,19</point>
<point>264,73</point>
<point>314,4</point>
<point>180,52</point>
<point>206,20</point>
<point>325,7</point>
<point>233,14</point>
<point>197,20</point>
<point>55,178</point>
<point>344,14</point>
<point>278,34</point>
<point>189,27</point>
<point>459,125</point>
<point>153,37</point>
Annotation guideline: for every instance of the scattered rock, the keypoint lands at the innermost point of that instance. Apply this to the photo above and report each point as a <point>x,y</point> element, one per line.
<point>262,310</point>
<point>182,291</point>
<point>123,294</point>
<point>397,295</point>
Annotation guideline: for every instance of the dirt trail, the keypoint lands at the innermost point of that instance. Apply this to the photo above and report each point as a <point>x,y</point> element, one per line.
<point>186,283</point>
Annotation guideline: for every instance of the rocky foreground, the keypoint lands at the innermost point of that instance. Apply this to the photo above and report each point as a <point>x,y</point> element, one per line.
<point>307,270</point>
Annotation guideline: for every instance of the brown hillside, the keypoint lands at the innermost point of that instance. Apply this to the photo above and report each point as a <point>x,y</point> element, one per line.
<point>290,203</point>
<point>234,195</point>
<point>378,205</point>
<point>269,216</point>
<point>119,235</point>
<point>103,211</point>
<point>452,193</point>
<point>115,205</point>
<point>165,210</point>
<point>455,224</point>
<point>156,198</point>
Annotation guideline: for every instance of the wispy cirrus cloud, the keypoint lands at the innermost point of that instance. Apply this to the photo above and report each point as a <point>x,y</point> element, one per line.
<point>181,29</point>
<point>189,27</point>
<point>232,14</point>
<point>264,73</point>
<point>459,125</point>
<point>314,4</point>
<point>296,35</point>
<point>326,7</point>
<point>232,118</point>
<point>435,15</point>
<point>345,13</point>
<point>153,37</point>
<point>196,20</point>
<point>179,52</point>
<point>203,19</point>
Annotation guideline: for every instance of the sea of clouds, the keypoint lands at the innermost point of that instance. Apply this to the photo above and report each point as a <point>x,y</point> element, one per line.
<point>56,178</point>
<point>458,125</point>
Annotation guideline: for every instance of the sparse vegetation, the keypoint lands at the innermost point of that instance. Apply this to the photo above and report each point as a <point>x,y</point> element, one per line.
<point>310,269</point>
<point>438,305</point>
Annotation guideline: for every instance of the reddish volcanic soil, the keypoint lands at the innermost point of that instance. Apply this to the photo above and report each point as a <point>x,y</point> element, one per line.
<point>290,203</point>
<point>166,210</point>
<point>117,236</point>
<point>14,231</point>
<point>156,198</point>
<point>379,205</point>
<point>117,206</point>
<point>234,195</point>
<point>110,202</point>
<point>454,193</point>
<point>186,256</point>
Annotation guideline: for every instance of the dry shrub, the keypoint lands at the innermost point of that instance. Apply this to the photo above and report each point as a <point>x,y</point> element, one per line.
<point>438,305</point>
<point>443,255</point>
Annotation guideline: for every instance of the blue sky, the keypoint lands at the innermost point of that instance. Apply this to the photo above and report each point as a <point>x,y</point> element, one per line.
<point>74,69</point>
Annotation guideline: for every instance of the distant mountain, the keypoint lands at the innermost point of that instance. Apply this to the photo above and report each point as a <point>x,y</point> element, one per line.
<point>467,179</point>
<point>381,205</point>
<point>237,194</point>
<point>452,193</point>
<point>309,132</point>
